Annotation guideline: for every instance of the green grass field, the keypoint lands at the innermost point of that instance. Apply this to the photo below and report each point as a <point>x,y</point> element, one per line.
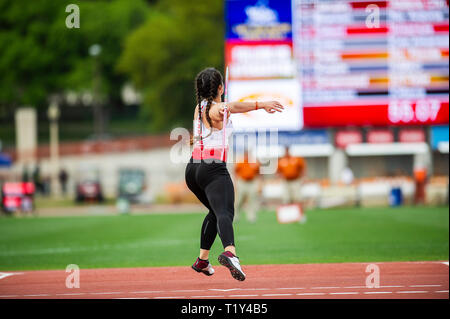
<point>332,235</point>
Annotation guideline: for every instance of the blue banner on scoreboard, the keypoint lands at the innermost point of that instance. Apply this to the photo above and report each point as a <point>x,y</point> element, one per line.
<point>439,134</point>
<point>244,140</point>
<point>303,137</point>
<point>258,20</point>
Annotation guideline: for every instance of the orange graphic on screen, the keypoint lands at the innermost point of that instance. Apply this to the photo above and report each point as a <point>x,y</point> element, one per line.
<point>284,100</point>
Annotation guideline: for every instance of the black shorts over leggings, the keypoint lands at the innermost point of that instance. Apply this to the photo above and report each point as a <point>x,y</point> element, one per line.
<point>212,184</point>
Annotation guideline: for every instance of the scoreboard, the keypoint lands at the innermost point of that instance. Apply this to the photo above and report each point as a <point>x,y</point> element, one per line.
<point>373,62</point>
<point>343,62</point>
<point>260,55</point>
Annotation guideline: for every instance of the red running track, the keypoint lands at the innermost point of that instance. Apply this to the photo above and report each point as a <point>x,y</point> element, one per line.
<point>398,280</point>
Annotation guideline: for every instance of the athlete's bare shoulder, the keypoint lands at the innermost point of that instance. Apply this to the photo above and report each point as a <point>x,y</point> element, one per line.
<point>215,111</point>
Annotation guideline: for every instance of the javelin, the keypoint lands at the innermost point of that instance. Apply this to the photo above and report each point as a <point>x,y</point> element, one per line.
<point>226,86</point>
<point>225,113</point>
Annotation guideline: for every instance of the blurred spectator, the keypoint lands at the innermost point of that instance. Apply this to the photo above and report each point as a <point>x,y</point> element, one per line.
<point>25,174</point>
<point>292,169</point>
<point>420,180</point>
<point>247,188</point>
<point>46,185</point>
<point>37,180</point>
<point>63,177</point>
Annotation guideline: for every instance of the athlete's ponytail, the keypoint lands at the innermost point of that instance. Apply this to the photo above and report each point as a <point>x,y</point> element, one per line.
<point>198,99</point>
<point>207,84</point>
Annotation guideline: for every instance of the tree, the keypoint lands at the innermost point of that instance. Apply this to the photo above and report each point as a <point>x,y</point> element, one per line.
<point>26,62</point>
<point>41,56</point>
<point>162,57</point>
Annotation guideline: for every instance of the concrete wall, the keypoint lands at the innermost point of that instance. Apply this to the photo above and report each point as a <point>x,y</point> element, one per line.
<point>161,170</point>
<point>156,163</point>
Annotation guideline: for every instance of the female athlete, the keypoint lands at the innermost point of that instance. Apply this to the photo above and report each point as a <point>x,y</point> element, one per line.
<point>206,173</point>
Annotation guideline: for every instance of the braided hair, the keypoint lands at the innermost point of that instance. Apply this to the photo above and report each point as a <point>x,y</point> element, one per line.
<point>207,84</point>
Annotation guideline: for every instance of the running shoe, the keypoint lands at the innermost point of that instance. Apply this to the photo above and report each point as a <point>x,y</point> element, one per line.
<point>231,261</point>
<point>203,266</point>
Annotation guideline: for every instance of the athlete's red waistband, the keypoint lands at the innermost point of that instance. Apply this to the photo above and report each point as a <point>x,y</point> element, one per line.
<point>218,153</point>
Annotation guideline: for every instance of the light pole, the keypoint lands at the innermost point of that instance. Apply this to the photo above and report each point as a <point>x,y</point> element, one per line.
<point>53,116</point>
<point>94,51</point>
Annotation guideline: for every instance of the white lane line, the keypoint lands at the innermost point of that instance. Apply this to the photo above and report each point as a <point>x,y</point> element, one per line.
<point>289,288</point>
<point>445,263</point>
<point>351,287</point>
<point>235,289</point>
<point>7,274</point>
<point>412,292</point>
<point>245,295</point>
<point>207,297</point>
<point>254,288</point>
<point>377,292</point>
<point>146,292</point>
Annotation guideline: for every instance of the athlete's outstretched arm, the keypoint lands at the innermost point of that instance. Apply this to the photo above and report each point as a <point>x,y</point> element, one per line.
<point>242,107</point>
<point>216,112</point>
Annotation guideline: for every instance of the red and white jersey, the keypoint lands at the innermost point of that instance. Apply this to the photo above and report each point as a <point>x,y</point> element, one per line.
<point>214,145</point>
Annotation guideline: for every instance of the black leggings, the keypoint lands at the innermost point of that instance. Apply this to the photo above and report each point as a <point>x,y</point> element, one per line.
<point>212,185</point>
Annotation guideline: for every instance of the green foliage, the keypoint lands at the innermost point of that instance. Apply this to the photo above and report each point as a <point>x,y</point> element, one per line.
<point>107,24</point>
<point>160,45</point>
<point>41,56</point>
<point>162,57</point>
<point>26,53</point>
